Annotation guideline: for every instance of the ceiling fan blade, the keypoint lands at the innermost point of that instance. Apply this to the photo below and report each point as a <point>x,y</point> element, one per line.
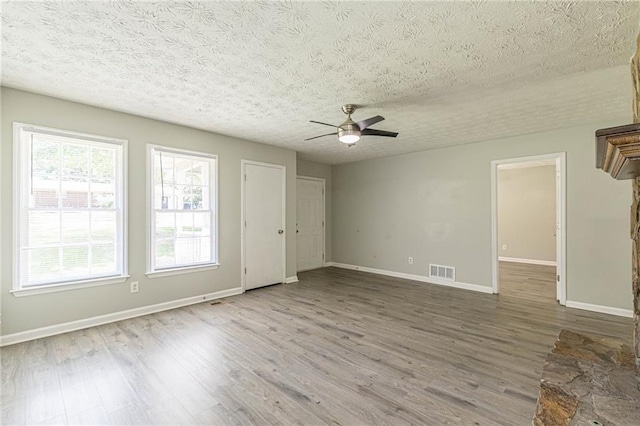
<point>374,132</point>
<point>326,124</point>
<point>369,122</point>
<point>321,136</point>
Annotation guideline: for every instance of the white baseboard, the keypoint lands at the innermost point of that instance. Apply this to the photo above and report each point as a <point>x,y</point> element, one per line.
<point>628,313</point>
<point>421,278</point>
<point>66,327</point>
<point>327,264</point>
<point>310,269</point>
<point>324,265</point>
<point>529,261</point>
<point>289,280</point>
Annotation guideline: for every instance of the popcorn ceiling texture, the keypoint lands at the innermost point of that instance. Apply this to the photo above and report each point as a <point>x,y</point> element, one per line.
<point>442,73</point>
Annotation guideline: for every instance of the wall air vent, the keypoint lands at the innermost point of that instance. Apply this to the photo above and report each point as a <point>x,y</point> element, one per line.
<point>442,272</point>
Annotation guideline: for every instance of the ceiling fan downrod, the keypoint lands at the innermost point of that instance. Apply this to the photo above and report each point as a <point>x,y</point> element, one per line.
<point>349,132</point>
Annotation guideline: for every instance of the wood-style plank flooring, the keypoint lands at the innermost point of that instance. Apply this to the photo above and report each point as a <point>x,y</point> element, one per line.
<point>339,347</point>
<point>526,281</point>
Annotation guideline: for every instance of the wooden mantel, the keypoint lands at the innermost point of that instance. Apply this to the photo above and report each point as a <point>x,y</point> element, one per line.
<point>618,151</point>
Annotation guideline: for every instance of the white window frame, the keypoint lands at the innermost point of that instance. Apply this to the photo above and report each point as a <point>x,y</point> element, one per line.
<point>152,271</point>
<point>20,179</point>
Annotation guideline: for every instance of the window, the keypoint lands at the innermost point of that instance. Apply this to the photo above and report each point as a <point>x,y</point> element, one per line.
<point>69,208</point>
<point>183,210</point>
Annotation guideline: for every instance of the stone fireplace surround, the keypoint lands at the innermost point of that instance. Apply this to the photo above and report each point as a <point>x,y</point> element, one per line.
<point>589,379</point>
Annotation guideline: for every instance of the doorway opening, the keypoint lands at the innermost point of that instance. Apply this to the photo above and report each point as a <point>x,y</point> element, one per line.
<point>528,206</point>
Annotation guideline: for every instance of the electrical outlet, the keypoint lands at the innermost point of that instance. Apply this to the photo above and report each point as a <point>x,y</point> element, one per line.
<point>410,260</point>
<point>504,247</point>
<point>134,287</point>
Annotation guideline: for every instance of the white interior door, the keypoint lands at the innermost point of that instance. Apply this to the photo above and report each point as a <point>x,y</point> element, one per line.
<point>264,224</point>
<point>310,216</point>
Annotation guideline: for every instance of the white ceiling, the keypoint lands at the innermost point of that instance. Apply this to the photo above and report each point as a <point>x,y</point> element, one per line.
<point>442,73</point>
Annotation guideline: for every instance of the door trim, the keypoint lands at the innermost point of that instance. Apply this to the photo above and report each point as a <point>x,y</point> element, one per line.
<point>243,165</point>
<point>324,220</point>
<point>561,217</point>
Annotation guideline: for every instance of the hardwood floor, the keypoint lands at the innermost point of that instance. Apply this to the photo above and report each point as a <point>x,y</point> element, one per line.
<point>526,281</point>
<point>339,347</point>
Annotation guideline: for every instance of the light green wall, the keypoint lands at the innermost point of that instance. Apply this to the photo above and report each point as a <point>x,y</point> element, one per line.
<point>527,213</point>
<point>322,171</point>
<point>432,205</point>
<point>436,207</point>
<point>29,312</point>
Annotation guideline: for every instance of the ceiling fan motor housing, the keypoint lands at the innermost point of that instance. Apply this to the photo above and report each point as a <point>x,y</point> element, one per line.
<point>348,132</point>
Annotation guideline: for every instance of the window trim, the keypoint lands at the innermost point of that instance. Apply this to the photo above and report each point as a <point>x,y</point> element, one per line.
<point>53,288</point>
<point>17,288</point>
<point>182,269</point>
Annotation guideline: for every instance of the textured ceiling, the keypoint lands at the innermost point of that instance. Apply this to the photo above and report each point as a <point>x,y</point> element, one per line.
<point>442,73</point>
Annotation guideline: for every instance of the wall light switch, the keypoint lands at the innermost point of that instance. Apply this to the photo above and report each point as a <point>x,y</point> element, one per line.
<point>504,247</point>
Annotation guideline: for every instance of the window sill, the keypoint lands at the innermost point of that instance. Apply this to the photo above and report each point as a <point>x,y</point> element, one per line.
<point>182,270</point>
<point>70,286</point>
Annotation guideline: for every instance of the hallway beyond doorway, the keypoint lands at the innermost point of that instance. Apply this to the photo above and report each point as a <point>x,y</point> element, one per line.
<point>526,281</point>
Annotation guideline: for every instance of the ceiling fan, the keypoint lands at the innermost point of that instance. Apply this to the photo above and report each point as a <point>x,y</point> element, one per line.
<point>350,132</point>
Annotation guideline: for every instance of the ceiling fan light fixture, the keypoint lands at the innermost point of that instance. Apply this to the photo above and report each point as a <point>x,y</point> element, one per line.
<point>349,137</point>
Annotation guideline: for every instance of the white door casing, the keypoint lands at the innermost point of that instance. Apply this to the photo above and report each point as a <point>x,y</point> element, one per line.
<point>561,219</point>
<point>561,295</point>
<point>263,224</point>
<point>310,223</point>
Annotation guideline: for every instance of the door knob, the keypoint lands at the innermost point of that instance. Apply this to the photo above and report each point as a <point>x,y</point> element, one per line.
<point>280,231</point>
